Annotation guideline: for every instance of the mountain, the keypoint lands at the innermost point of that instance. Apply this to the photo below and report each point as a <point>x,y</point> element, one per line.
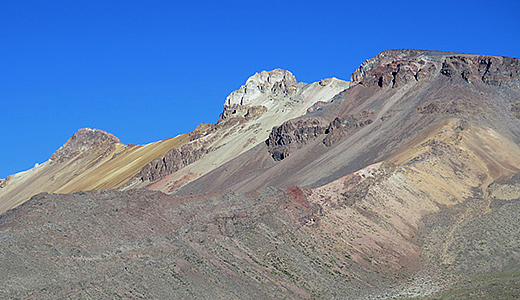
<point>93,159</point>
<point>403,182</point>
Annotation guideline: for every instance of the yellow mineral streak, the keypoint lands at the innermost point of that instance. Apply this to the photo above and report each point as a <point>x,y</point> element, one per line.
<point>467,156</point>
<point>106,168</point>
<point>440,168</point>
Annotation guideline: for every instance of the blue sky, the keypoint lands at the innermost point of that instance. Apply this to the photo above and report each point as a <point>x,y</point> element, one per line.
<point>150,70</point>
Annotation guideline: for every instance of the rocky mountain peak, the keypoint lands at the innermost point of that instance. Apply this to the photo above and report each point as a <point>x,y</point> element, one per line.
<point>271,77</point>
<point>278,82</point>
<point>84,140</point>
<point>395,68</point>
<point>261,92</point>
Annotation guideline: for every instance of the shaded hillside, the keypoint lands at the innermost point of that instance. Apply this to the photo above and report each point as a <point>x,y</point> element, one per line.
<point>134,244</point>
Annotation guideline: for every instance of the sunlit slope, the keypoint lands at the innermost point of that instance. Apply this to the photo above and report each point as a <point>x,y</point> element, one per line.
<point>115,172</point>
<point>379,210</point>
<point>463,155</point>
<point>449,164</point>
<point>106,167</point>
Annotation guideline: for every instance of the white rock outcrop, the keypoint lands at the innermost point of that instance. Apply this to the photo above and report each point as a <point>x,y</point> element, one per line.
<point>278,82</point>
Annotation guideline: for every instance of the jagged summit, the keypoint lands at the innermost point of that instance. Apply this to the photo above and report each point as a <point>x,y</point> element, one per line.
<point>83,140</point>
<point>395,68</point>
<point>278,82</point>
<point>276,90</point>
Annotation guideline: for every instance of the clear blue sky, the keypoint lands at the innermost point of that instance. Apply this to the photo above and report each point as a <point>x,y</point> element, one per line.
<point>150,70</point>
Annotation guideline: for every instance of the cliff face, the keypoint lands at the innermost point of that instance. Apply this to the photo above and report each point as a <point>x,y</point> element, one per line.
<point>261,92</point>
<point>497,71</point>
<point>292,135</point>
<point>296,133</point>
<point>395,68</point>
<point>277,83</point>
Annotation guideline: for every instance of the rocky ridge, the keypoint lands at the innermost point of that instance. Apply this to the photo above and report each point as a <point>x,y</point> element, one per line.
<point>260,93</point>
<point>397,67</point>
<point>277,82</point>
